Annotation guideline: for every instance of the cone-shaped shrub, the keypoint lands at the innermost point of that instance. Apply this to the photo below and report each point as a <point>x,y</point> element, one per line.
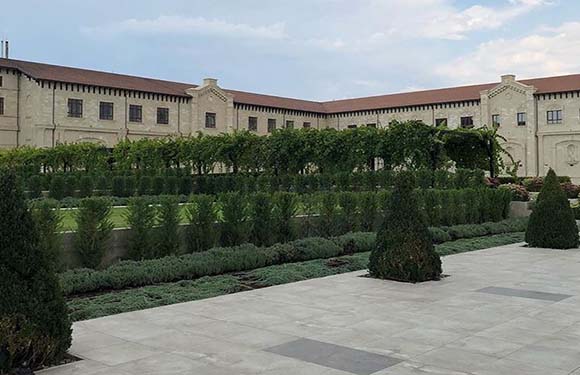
<point>552,223</point>
<point>404,249</point>
<point>34,326</point>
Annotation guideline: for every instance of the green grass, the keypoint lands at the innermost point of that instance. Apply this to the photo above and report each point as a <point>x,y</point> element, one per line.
<point>118,217</point>
<point>83,308</point>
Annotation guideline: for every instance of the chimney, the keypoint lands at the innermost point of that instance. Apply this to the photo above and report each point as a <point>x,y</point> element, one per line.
<point>210,82</point>
<point>2,49</point>
<point>508,78</point>
<point>6,55</point>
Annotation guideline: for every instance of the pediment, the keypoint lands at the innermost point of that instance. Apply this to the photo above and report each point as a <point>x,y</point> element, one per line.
<point>510,87</point>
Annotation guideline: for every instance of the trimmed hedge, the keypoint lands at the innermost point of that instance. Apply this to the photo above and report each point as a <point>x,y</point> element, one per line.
<point>128,274</point>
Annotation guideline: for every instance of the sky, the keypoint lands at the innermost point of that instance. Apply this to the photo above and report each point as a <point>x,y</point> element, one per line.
<point>308,49</point>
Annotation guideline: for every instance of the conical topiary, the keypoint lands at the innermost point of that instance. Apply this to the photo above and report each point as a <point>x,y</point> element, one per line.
<point>404,249</point>
<point>552,223</point>
<point>35,329</point>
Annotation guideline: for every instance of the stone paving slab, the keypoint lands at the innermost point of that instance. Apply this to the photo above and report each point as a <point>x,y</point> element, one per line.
<point>445,327</point>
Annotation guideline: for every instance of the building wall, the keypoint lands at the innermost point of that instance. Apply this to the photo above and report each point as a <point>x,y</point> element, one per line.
<point>36,113</point>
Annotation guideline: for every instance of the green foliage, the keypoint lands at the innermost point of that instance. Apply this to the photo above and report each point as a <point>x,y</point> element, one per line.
<point>48,220</point>
<point>118,186</point>
<point>130,186</point>
<point>93,230</point>
<point>86,186</point>
<point>201,216</point>
<point>285,206</point>
<point>261,218</point>
<point>70,186</point>
<point>144,185</point>
<point>234,229</point>
<point>103,185</point>
<point>57,187</point>
<point>329,216</point>
<point>168,240</point>
<point>158,186</point>
<point>34,185</point>
<point>185,185</point>
<point>141,218</point>
<point>35,329</point>
<point>348,211</point>
<point>368,211</point>
<point>404,249</point>
<point>171,185</point>
<point>552,223</point>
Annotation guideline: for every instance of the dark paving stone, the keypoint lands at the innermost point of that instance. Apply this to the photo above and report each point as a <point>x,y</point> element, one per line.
<point>334,356</point>
<point>555,297</point>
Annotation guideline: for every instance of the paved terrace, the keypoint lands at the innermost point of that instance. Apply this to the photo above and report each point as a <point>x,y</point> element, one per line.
<point>509,310</point>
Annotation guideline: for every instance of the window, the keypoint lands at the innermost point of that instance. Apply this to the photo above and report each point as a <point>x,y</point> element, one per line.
<point>210,120</point>
<point>521,118</point>
<point>271,125</point>
<point>353,126</point>
<point>135,113</point>
<point>1,106</point>
<point>555,117</point>
<point>372,125</point>
<point>105,111</point>
<point>495,120</point>
<point>306,125</point>
<point>289,124</point>
<point>163,116</point>
<point>1,81</point>
<point>467,122</point>
<point>440,122</point>
<point>253,124</point>
<point>75,108</point>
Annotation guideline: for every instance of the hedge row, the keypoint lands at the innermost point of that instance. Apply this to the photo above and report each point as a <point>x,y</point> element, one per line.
<point>131,183</point>
<point>217,261</point>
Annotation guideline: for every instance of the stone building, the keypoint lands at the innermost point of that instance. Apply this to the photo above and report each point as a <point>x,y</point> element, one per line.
<point>44,105</point>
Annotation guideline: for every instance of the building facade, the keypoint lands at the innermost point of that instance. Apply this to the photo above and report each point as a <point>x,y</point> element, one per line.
<point>45,105</point>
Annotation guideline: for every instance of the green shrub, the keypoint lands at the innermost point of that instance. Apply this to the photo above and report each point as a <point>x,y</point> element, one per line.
<point>285,206</point>
<point>310,209</point>
<point>86,186</point>
<point>171,185</point>
<point>144,185</point>
<point>185,185</point>
<point>367,211</point>
<point>141,218</point>
<point>93,230</point>
<point>118,186</point>
<point>404,249</point>
<point>168,214</point>
<point>439,235</point>
<point>234,219</point>
<point>158,186</point>
<point>57,188</point>
<point>35,329</point>
<point>103,185</point>
<point>130,186</point>
<point>261,219</point>
<point>70,186</point>
<point>48,220</point>
<point>348,214</point>
<point>201,215</point>
<point>34,186</point>
<point>552,223</point>
<point>329,218</point>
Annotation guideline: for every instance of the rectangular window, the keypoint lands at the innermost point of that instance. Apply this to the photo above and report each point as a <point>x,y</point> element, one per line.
<point>1,106</point>
<point>289,124</point>
<point>163,116</point>
<point>210,120</point>
<point>306,125</point>
<point>271,125</point>
<point>372,125</point>
<point>467,122</point>
<point>495,120</point>
<point>75,108</point>
<point>554,117</point>
<point>105,111</point>
<point>440,122</point>
<point>521,118</point>
<point>135,113</point>
<point>353,126</point>
<point>1,81</point>
<point>253,124</point>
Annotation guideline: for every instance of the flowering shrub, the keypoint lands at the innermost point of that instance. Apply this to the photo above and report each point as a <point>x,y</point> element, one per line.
<point>519,193</point>
<point>534,183</point>
<point>572,191</point>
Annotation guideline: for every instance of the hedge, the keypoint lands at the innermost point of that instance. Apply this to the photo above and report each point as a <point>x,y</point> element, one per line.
<point>221,260</point>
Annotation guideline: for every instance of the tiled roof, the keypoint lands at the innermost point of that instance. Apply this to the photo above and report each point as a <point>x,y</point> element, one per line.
<point>120,81</point>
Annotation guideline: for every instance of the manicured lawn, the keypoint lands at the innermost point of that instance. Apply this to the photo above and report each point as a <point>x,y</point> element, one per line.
<point>110,303</point>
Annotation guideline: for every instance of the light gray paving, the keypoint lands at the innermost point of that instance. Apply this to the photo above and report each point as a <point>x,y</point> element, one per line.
<point>445,327</point>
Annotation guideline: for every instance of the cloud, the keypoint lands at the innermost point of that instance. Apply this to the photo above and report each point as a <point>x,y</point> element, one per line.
<point>179,25</point>
<point>552,51</point>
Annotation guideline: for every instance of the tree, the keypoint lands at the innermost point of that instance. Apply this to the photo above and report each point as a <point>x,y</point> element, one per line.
<point>141,219</point>
<point>552,223</point>
<point>404,249</point>
<point>35,329</point>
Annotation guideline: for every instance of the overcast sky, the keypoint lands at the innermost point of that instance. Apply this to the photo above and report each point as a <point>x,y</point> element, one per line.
<point>311,49</point>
